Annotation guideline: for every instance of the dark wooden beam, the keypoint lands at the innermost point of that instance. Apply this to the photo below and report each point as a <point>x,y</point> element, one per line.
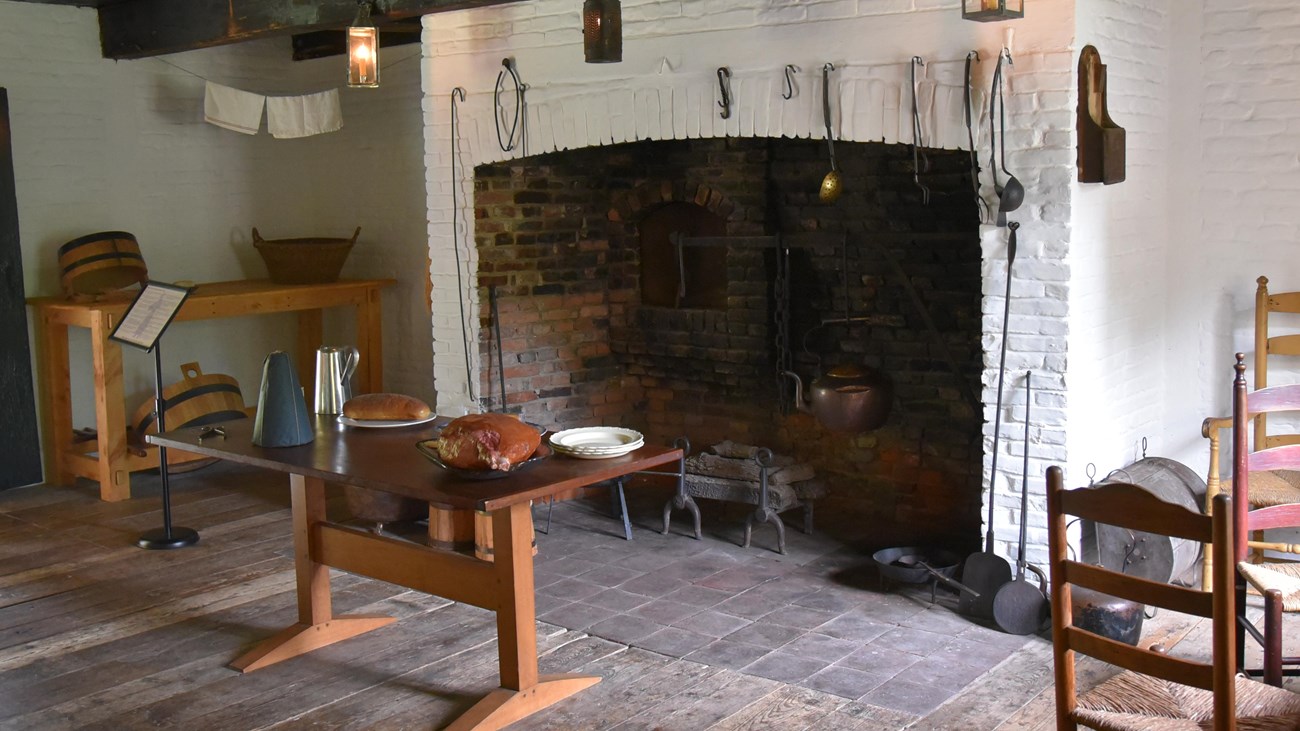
<point>324,43</point>
<point>142,28</point>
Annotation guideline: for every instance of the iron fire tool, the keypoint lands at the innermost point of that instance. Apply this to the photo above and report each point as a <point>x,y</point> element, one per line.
<point>1012,194</point>
<point>920,163</point>
<point>985,571</point>
<point>1019,607</point>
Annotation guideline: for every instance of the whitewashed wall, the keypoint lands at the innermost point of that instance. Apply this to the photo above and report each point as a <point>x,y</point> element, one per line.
<point>1234,209</point>
<point>104,145</point>
<point>666,88</point>
<point>1118,249</point>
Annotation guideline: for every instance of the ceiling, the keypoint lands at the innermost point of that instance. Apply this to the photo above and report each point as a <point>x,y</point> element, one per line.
<point>141,28</point>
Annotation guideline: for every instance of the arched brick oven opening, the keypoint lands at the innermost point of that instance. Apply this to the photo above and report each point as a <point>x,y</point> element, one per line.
<point>562,244</point>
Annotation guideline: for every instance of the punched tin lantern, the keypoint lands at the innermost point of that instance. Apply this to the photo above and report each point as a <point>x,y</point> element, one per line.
<point>992,10</point>
<point>363,50</point>
<point>602,31</point>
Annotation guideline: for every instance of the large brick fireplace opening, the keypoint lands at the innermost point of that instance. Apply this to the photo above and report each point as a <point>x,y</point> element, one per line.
<point>604,316</point>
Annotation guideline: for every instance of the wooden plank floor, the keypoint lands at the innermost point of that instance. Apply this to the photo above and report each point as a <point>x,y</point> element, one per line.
<point>98,634</point>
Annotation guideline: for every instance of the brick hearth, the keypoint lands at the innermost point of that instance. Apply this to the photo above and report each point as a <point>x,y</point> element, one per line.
<point>559,240</point>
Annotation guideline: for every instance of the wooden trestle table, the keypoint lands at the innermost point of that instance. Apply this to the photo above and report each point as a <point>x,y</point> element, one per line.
<point>387,460</point>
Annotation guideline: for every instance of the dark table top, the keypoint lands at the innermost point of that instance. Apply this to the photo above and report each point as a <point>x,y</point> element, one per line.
<point>386,459</point>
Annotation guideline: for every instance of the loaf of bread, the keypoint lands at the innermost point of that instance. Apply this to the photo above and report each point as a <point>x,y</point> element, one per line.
<point>487,442</point>
<point>385,406</point>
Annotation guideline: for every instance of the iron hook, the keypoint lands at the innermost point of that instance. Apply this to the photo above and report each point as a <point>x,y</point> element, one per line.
<point>724,74</point>
<point>790,71</point>
<point>508,142</point>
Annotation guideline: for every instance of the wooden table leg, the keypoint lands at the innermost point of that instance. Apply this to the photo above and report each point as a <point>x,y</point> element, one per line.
<point>523,692</point>
<point>316,626</point>
<point>311,333</point>
<point>370,342</point>
<point>57,382</point>
<point>110,413</point>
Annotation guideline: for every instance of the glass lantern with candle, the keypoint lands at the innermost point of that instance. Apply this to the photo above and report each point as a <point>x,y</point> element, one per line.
<point>992,10</point>
<point>363,50</point>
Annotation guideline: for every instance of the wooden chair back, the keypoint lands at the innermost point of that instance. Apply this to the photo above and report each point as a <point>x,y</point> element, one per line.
<point>1132,507</point>
<point>1247,405</point>
<point>1265,345</point>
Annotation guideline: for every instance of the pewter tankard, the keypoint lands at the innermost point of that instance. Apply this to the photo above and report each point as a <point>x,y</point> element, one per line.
<point>334,368</point>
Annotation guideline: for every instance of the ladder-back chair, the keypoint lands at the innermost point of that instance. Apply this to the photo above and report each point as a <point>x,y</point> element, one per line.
<point>1278,581</point>
<point>1156,692</point>
<point>1277,487</point>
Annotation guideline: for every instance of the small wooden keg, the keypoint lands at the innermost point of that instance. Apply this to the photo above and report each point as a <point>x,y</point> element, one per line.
<point>451,529</point>
<point>195,400</point>
<point>483,537</point>
<point>101,262</point>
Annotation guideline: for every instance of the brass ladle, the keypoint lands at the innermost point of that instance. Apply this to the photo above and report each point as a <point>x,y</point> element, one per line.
<point>830,190</point>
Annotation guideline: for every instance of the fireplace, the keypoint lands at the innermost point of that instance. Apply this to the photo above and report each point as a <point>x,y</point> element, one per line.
<point>636,284</point>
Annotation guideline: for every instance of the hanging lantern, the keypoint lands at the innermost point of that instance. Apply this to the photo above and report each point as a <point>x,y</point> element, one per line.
<point>602,31</point>
<point>992,10</point>
<point>363,49</point>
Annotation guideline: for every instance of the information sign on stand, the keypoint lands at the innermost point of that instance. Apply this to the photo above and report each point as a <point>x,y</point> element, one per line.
<point>142,327</point>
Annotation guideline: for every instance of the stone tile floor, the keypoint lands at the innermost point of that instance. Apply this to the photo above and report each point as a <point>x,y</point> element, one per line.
<point>815,617</point>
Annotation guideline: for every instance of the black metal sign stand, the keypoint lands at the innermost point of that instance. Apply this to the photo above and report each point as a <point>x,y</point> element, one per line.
<point>141,327</point>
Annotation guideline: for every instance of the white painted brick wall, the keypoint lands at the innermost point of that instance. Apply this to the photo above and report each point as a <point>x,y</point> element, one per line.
<point>103,145</point>
<point>666,88</point>
<point>1119,246</point>
<point>1233,214</point>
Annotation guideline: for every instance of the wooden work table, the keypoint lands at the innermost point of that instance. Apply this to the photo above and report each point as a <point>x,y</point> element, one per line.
<point>107,460</point>
<point>387,460</point>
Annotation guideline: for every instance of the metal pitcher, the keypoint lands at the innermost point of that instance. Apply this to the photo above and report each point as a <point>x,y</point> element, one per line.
<point>334,368</point>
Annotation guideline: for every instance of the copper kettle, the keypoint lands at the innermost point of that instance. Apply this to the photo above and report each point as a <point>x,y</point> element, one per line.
<point>847,398</point>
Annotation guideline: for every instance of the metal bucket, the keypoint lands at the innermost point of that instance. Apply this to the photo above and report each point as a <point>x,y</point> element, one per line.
<point>1151,556</point>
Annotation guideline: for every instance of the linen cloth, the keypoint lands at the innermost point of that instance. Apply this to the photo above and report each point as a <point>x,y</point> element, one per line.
<point>288,117</point>
<point>233,109</point>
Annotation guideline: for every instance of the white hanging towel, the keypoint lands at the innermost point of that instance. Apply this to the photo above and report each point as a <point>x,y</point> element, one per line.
<point>303,116</point>
<point>233,109</point>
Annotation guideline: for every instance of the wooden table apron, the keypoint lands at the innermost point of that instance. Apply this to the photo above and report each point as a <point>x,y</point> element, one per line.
<point>386,459</point>
<point>112,469</point>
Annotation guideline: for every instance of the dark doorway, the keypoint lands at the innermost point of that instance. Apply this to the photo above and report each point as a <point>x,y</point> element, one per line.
<point>20,449</point>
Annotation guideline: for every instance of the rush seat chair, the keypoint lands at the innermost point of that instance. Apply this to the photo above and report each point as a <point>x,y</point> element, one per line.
<point>1273,487</point>
<point>1156,691</point>
<point>1277,580</point>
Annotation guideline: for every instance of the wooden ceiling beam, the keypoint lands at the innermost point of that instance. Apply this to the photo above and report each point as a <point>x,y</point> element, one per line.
<point>142,28</point>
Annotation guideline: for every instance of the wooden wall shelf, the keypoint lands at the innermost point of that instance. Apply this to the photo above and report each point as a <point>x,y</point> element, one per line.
<point>1101,141</point>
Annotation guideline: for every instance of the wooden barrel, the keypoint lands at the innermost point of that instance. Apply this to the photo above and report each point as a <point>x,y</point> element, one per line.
<point>379,507</point>
<point>101,262</point>
<point>195,400</point>
<point>483,537</point>
<point>451,529</point>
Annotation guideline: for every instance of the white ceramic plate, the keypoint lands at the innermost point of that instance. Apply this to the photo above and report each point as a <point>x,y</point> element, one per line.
<point>601,455</point>
<point>596,438</point>
<point>384,423</point>
<point>621,449</point>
